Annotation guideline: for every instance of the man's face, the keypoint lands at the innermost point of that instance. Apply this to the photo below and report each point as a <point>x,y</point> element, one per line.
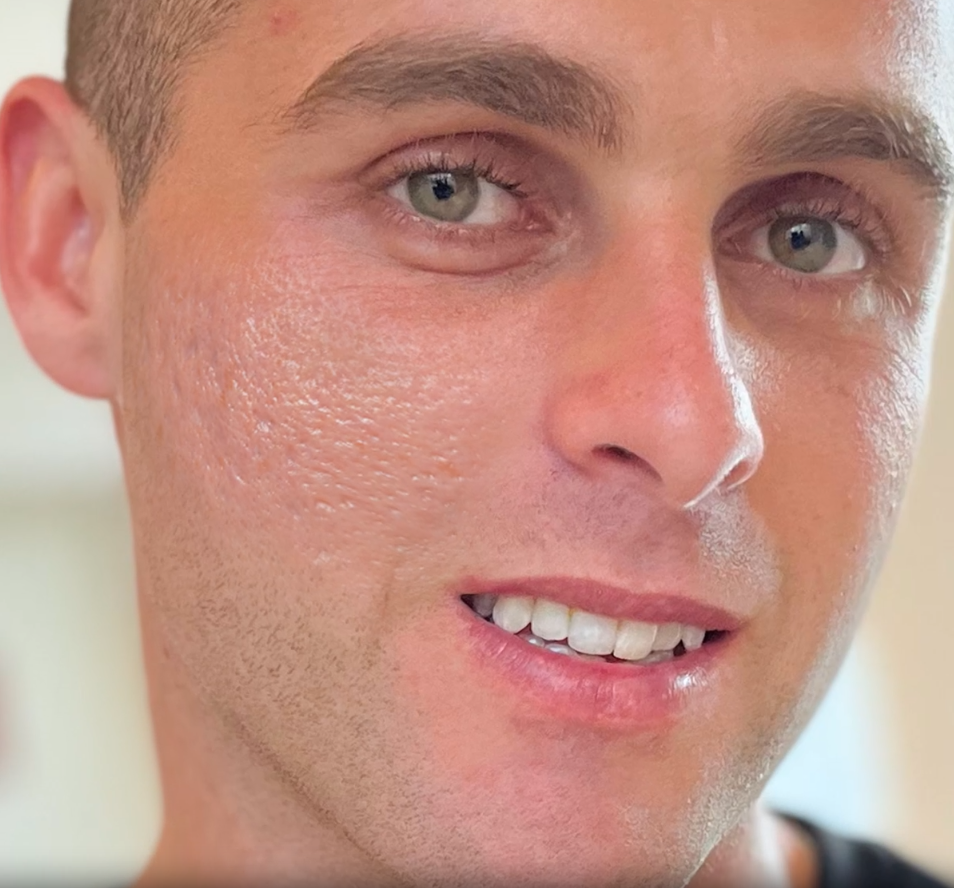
<point>377,358</point>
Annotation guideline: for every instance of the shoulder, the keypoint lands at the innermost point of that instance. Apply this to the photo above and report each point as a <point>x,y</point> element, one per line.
<point>848,863</point>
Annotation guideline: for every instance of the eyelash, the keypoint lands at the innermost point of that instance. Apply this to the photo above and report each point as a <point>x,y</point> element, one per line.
<point>843,209</point>
<point>481,168</point>
<point>482,165</point>
<point>870,227</point>
<point>872,233</point>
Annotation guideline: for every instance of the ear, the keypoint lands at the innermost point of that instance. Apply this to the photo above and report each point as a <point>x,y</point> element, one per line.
<point>60,238</point>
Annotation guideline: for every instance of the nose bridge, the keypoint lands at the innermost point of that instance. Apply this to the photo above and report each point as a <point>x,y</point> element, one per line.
<point>654,388</point>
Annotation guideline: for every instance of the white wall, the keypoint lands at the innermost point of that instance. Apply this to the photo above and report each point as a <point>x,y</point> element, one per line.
<point>78,787</point>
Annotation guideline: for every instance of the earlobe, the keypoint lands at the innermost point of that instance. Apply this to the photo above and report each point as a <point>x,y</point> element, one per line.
<point>54,229</point>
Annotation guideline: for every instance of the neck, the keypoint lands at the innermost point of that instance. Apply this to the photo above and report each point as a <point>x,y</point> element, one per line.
<point>764,851</point>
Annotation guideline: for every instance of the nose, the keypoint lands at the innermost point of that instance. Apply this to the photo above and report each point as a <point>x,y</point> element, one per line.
<point>647,385</point>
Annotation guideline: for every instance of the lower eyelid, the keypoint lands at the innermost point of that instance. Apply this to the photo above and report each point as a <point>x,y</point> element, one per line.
<point>523,220</point>
<point>415,242</point>
<point>815,195</point>
<point>401,216</point>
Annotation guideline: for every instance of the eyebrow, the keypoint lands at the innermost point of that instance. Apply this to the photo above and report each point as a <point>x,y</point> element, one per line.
<point>516,79</point>
<point>525,82</point>
<point>807,127</point>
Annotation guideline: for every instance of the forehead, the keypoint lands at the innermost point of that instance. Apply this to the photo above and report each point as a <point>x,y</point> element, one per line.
<point>732,49</point>
<point>695,73</point>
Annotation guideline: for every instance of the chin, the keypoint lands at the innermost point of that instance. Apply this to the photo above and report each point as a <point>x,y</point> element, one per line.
<point>538,832</point>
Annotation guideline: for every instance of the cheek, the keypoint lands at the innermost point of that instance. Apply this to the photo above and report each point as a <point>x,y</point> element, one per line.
<point>279,398</point>
<point>840,434</point>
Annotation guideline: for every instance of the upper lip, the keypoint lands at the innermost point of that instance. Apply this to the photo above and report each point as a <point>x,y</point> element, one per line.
<point>611,601</point>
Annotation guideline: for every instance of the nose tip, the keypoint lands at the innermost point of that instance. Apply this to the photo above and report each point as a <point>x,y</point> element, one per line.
<point>664,404</point>
<point>723,440</point>
<point>738,467</point>
<point>713,448</point>
<point>652,388</point>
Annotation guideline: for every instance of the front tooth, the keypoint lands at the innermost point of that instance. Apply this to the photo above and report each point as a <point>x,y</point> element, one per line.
<point>591,634</point>
<point>484,604</point>
<point>550,620</point>
<point>658,657</point>
<point>562,649</point>
<point>513,614</point>
<point>693,637</point>
<point>634,640</point>
<point>667,637</point>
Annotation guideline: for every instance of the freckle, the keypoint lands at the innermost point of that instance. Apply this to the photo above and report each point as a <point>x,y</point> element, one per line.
<point>283,20</point>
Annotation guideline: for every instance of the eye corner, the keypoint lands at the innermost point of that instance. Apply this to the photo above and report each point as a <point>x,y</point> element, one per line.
<point>809,239</point>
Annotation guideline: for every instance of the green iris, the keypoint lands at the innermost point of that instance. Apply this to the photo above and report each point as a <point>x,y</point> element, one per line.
<point>803,243</point>
<point>444,196</point>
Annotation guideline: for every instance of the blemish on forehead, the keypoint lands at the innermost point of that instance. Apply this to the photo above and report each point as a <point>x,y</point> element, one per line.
<point>283,19</point>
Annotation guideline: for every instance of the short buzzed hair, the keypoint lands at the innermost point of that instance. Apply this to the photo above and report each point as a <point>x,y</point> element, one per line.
<point>125,60</point>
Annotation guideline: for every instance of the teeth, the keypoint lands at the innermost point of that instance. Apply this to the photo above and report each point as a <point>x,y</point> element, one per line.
<point>658,657</point>
<point>577,633</point>
<point>484,604</point>
<point>634,641</point>
<point>556,648</point>
<point>667,637</point>
<point>693,637</point>
<point>590,634</point>
<point>513,614</point>
<point>550,620</point>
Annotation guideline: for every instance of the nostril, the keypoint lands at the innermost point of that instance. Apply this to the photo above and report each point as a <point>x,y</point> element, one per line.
<point>621,454</point>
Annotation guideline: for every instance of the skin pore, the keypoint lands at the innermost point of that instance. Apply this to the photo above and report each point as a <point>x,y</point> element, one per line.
<point>334,411</point>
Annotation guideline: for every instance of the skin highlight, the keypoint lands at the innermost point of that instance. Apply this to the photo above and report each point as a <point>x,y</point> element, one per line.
<point>331,413</point>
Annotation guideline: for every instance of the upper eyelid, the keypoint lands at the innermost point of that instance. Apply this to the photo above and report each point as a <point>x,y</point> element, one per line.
<point>459,150</point>
<point>875,233</point>
<point>520,167</point>
<point>503,157</point>
<point>445,164</point>
<point>811,193</point>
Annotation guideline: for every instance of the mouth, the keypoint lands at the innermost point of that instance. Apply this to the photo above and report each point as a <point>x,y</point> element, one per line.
<point>557,629</point>
<point>597,655</point>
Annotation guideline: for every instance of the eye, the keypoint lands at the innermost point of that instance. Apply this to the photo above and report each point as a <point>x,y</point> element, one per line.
<point>810,245</point>
<point>456,196</point>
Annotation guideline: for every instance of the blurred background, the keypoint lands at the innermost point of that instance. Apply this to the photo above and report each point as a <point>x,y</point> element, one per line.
<point>79,794</point>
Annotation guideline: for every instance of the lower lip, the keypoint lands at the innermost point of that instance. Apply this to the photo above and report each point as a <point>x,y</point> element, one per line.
<point>624,697</point>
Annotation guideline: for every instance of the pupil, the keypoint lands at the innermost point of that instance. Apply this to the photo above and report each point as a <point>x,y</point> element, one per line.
<point>444,195</point>
<point>443,187</point>
<point>804,244</point>
<point>801,237</point>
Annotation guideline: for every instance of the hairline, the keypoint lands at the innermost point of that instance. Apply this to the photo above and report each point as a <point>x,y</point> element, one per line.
<point>898,133</point>
<point>137,157</point>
